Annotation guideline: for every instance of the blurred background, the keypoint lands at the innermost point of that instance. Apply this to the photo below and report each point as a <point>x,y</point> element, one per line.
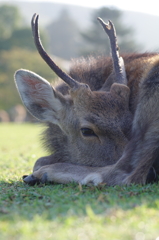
<point>69,29</point>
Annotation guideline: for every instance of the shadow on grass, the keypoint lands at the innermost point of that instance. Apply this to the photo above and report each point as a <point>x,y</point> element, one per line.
<point>20,201</point>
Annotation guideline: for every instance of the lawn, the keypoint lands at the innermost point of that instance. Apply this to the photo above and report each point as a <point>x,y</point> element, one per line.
<point>67,212</point>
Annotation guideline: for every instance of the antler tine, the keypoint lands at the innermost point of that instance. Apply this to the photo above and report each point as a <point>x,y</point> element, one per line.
<point>118,61</point>
<point>68,79</point>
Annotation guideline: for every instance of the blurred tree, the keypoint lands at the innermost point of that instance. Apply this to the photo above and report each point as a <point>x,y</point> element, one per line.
<point>95,39</point>
<point>10,62</point>
<point>13,32</point>
<point>64,36</point>
<point>17,50</point>
<point>20,38</point>
<point>10,20</point>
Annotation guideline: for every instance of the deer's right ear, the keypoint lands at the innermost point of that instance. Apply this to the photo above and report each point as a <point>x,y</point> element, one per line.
<point>39,97</point>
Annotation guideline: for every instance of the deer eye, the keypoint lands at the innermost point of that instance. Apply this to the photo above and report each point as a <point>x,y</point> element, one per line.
<point>87,132</point>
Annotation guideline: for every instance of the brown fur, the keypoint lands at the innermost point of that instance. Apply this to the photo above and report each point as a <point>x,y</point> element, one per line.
<point>124,143</point>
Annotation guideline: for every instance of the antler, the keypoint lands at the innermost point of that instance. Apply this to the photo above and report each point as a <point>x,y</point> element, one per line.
<point>64,76</point>
<point>118,61</point>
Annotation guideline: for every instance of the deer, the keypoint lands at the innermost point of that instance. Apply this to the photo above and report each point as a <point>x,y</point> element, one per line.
<point>102,121</point>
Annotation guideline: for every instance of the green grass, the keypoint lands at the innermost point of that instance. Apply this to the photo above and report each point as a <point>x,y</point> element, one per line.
<point>67,212</point>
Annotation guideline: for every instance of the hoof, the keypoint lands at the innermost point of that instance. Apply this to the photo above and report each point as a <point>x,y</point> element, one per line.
<point>31,180</point>
<point>24,176</point>
<point>152,176</point>
<point>44,178</point>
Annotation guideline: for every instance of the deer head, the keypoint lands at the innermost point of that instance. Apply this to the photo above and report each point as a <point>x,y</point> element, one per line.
<point>95,124</point>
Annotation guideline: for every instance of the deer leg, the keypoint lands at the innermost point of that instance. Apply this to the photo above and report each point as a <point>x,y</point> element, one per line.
<point>45,161</point>
<point>65,173</point>
<point>146,129</point>
<point>142,152</point>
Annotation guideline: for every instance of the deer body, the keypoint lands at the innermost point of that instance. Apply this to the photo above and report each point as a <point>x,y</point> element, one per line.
<point>98,129</point>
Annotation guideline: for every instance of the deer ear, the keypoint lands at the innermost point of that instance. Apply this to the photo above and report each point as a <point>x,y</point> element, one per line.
<point>121,90</point>
<point>39,97</point>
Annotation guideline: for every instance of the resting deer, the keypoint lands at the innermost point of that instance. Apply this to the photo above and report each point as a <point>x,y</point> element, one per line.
<point>102,122</point>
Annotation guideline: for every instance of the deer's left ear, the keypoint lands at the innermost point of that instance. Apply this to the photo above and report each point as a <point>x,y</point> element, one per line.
<point>121,90</point>
<point>39,97</point>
